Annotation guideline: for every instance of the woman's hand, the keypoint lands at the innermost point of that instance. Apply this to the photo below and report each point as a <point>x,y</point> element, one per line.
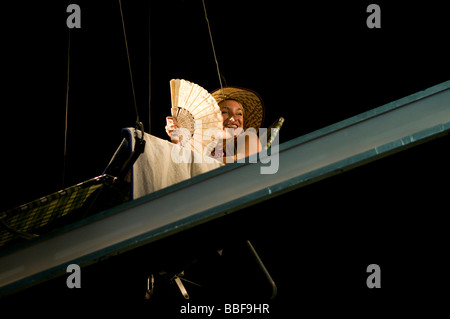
<point>171,125</point>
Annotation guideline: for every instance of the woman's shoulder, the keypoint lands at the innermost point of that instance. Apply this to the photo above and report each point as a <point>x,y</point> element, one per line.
<point>249,137</point>
<point>248,132</point>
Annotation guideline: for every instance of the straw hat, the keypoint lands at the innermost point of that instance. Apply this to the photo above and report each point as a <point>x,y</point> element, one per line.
<point>250,101</point>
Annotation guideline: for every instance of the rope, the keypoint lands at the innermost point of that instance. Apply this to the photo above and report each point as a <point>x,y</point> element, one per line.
<point>149,75</point>
<point>66,115</point>
<point>214,51</point>
<point>129,63</point>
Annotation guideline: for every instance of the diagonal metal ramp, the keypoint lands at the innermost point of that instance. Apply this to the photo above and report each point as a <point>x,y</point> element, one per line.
<point>353,142</point>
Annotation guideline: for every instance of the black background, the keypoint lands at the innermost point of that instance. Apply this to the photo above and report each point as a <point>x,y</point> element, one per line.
<point>315,63</point>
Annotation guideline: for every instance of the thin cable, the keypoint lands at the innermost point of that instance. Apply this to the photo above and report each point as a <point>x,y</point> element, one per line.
<point>129,63</point>
<point>149,76</point>
<point>66,115</point>
<point>214,51</point>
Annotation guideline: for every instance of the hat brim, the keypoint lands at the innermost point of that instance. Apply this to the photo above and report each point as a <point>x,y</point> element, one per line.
<point>250,101</point>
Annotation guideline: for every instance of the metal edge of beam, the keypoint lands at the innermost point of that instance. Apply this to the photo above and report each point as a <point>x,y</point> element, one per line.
<point>242,201</point>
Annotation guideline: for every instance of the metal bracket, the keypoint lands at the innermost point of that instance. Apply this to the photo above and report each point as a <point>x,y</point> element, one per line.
<point>181,287</point>
<point>150,291</point>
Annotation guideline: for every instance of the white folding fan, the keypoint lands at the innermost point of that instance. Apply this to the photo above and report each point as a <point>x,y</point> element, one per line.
<point>198,112</point>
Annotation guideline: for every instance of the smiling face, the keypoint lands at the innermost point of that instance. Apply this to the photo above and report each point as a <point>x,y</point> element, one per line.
<point>233,117</point>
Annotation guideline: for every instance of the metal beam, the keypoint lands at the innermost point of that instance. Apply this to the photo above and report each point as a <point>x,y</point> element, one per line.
<point>304,160</point>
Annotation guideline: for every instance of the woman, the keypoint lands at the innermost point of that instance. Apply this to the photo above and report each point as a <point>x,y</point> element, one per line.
<point>242,113</point>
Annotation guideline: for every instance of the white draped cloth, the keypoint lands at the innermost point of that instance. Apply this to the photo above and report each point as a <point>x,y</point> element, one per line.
<point>160,166</point>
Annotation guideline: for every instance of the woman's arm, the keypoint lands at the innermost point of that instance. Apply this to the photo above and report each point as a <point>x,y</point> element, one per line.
<point>247,144</point>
